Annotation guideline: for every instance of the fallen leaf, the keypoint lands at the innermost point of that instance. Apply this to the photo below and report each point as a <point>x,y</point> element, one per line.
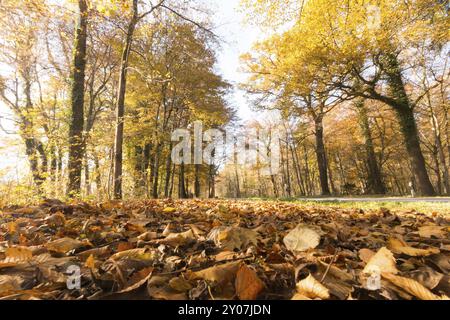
<point>432,231</point>
<point>313,289</point>
<point>400,247</point>
<point>148,236</point>
<point>9,283</point>
<point>138,280</point>
<point>411,286</point>
<point>19,254</point>
<point>64,245</point>
<point>137,254</point>
<point>178,239</point>
<point>230,238</point>
<point>382,261</point>
<point>220,274</point>
<point>248,285</point>
<point>302,238</point>
<point>169,210</point>
<point>90,262</point>
<point>366,254</point>
<point>180,284</point>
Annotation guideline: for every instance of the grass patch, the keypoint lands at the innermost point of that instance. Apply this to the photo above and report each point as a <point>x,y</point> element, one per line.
<point>420,207</point>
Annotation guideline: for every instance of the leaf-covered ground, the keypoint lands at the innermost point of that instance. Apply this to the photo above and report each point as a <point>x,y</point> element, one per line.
<point>221,250</point>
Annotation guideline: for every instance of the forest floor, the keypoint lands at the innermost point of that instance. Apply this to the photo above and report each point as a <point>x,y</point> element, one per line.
<point>223,249</point>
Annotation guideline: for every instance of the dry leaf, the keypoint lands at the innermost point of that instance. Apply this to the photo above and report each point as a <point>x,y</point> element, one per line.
<point>136,254</point>
<point>302,238</point>
<point>312,289</point>
<point>366,254</point>
<point>382,261</point>
<point>180,284</point>
<point>411,286</point>
<point>9,283</point>
<point>178,239</point>
<point>90,262</point>
<point>300,297</point>
<point>148,236</point>
<point>138,280</point>
<point>19,254</point>
<point>220,274</point>
<point>230,238</point>
<point>400,247</point>
<point>165,293</point>
<point>169,210</point>
<point>64,245</point>
<point>248,285</point>
<point>432,231</point>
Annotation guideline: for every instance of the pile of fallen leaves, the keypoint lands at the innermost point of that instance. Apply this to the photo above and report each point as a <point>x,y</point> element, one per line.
<point>205,250</point>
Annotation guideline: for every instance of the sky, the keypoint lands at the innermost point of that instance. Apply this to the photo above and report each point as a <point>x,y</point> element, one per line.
<point>236,38</point>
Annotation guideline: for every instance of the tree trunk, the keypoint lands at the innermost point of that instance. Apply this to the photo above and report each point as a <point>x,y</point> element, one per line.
<point>375,182</point>
<point>181,183</point>
<point>321,156</point>
<point>405,116</point>
<point>120,112</point>
<point>77,101</point>
<point>87,181</point>
<point>297,170</point>
<point>197,190</point>
<point>236,177</point>
<point>288,172</point>
<point>168,173</point>
<point>155,176</point>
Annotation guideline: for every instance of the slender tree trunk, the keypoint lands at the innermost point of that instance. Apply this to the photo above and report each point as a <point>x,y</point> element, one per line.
<point>120,111</point>
<point>437,169</point>
<point>181,183</point>
<point>331,179</point>
<point>197,190</point>
<point>375,181</point>
<point>288,172</point>
<point>236,177</point>
<point>168,173</point>
<point>297,170</point>
<point>445,172</point>
<point>321,156</point>
<point>307,172</point>
<point>172,181</point>
<point>212,182</point>
<point>77,101</point>
<point>440,154</point>
<point>98,180</point>
<point>87,181</point>
<point>155,176</point>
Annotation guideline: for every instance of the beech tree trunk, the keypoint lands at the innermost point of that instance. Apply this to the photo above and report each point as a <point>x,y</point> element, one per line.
<point>321,156</point>
<point>405,115</point>
<point>76,149</point>
<point>120,108</point>
<point>375,182</point>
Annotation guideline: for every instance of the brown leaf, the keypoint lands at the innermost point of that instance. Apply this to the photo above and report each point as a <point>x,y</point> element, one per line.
<point>312,289</point>
<point>230,238</point>
<point>220,274</point>
<point>412,287</point>
<point>432,231</point>
<point>382,261</point>
<point>64,245</point>
<point>366,254</point>
<point>302,238</point>
<point>401,247</point>
<point>248,285</point>
<point>138,280</point>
